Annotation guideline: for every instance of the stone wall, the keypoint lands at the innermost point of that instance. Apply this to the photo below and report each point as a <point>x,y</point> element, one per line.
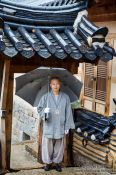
<point>25,121</point>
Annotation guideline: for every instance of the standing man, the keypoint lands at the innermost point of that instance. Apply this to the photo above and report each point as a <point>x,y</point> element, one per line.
<point>55,110</point>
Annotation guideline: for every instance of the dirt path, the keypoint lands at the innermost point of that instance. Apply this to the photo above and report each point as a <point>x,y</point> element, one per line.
<point>66,171</point>
<point>21,159</point>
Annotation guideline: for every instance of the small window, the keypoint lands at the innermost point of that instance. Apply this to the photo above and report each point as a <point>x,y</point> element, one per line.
<point>25,136</point>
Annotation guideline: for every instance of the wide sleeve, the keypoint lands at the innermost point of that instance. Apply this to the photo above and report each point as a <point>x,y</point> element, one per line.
<point>69,122</point>
<point>41,106</point>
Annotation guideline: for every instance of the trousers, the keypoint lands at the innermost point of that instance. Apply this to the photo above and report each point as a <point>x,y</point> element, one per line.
<point>52,150</point>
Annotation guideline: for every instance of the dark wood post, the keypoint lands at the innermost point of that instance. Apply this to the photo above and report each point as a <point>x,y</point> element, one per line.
<point>6,114</point>
<point>40,128</point>
<point>1,72</point>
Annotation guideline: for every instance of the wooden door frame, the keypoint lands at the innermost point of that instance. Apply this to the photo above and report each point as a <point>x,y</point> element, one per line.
<point>7,104</point>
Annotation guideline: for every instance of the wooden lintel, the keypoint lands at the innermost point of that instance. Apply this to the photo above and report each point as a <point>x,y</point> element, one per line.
<point>22,69</point>
<point>72,66</point>
<point>102,10</point>
<point>103,17</point>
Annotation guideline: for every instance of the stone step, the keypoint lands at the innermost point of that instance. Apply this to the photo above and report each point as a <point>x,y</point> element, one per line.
<point>66,171</point>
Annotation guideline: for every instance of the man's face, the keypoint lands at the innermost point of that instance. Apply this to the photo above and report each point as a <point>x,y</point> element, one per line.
<point>55,85</point>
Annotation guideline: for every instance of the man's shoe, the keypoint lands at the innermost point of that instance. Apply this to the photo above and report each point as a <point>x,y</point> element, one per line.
<point>47,167</point>
<point>58,167</point>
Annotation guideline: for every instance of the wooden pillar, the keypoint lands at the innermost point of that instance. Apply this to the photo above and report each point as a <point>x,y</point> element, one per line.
<point>6,114</point>
<point>1,72</point>
<point>94,88</point>
<point>65,159</point>
<point>40,128</point>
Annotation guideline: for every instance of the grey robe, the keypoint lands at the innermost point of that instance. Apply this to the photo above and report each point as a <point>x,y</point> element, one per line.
<point>57,124</point>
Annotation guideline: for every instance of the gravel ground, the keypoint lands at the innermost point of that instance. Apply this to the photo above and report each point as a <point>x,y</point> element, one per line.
<point>66,171</point>
<point>20,159</point>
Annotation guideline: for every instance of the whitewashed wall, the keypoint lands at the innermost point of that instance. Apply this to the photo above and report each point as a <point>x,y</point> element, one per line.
<point>25,120</point>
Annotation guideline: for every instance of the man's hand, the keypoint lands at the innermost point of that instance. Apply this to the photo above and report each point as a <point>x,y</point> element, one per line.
<point>66,132</point>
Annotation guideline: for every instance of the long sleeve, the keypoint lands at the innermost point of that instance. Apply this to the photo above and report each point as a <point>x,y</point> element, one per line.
<point>41,106</point>
<point>69,122</point>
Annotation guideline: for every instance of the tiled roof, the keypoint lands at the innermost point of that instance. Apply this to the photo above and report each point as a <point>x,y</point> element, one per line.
<point>93,126</point>
<point>45,44</point>
<point>47,31</point>
<point>59,43</point>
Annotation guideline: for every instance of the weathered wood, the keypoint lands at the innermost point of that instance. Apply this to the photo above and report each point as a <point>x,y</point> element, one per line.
<point>18,65</point>
<point>5,80</point>
<point>93,151</point>
<point>65,159</point>
<point>88,156</point>
<point>103,148</point>
<point>90,99</point>
<point>1,72</point>
<point>4,92</point>
<point>112,151</point>
<point>94,88</point>
<point>108,87</point>
<point>87,151</point>
<point>6,117</point>
<point>9,109</point>
<point>0,155</point>
<point>40,127</point>
<point>102,10</point>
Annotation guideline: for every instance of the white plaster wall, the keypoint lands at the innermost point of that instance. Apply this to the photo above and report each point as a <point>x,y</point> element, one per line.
<point>25,119</point>
<point>110,24</point>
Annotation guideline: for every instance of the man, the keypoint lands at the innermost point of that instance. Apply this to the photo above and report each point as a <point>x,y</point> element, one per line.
<point>55,109</point>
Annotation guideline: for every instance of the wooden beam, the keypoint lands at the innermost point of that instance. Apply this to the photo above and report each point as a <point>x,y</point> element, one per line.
<point>40,131</point>
<point>8,120</point>
<point>103,17</point>
<point>65,159</point>
<point>94,88</point>
<point>6,114</point>
<point>108,88</point>
<point>102,10</point>
<point>1,72</point>
<point>0,156</point>
<point>5,79</point>
<point>24,67</point>
<point>4,91</point>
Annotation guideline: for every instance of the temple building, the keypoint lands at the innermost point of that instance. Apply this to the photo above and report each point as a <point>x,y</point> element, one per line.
<point>79,36</point>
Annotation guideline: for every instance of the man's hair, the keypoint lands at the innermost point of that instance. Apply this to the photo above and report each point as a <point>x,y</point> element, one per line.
<point>55,78</point>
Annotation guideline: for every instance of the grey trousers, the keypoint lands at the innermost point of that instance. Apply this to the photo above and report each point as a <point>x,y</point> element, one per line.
<point>52,150</point>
